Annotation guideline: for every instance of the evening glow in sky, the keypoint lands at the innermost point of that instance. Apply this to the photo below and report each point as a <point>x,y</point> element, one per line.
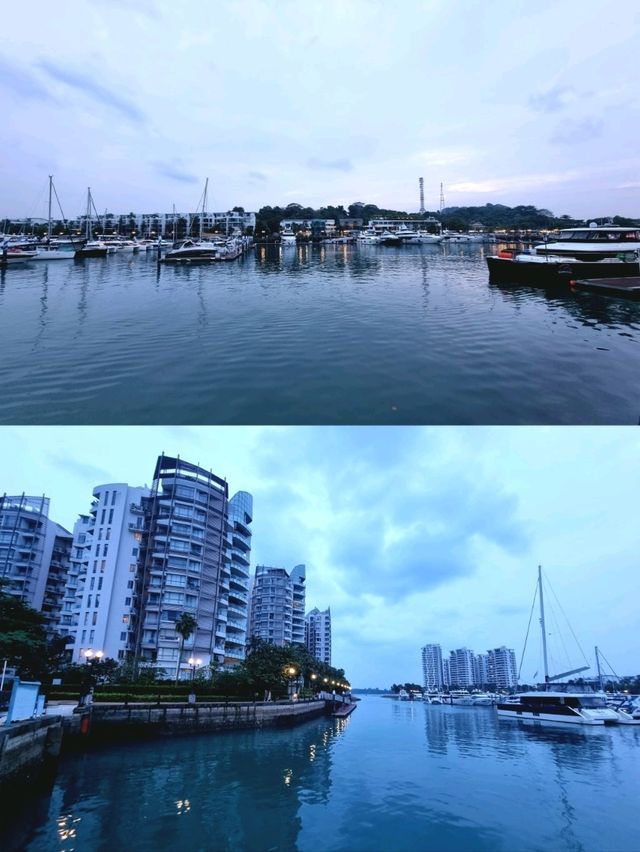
<point>320,102</point>
<point>411,535</point>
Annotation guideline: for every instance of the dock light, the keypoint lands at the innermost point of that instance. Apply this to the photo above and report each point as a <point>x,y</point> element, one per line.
<point>291,671</point>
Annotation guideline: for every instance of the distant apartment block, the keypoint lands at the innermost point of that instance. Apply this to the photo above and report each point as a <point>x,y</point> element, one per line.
<point>277,605</point>
<point>318,634</point>
<point>501,668</point>
<point>240,516</point>
<point>34,555</point>
<point>461,670</point>
<point>432,670</point>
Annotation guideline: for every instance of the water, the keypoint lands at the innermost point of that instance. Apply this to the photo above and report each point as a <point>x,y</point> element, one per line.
<point>310,335</point>
<point>393,776</point>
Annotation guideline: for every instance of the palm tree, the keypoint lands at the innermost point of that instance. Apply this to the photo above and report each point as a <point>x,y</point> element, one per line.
<point>185,626</point>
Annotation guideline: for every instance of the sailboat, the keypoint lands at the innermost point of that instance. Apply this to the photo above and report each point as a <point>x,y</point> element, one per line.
<point>547,705</point>
<point>92,248</point>
<point>59,250</point>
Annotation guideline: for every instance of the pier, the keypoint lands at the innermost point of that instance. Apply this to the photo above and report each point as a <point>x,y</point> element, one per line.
<point>627,287</point>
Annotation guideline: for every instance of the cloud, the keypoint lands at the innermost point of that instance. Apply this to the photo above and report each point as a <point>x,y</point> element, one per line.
<point>258,176</point>
<point>96,91</point>
<point>441,157</point>
<point>82,470</point>
<point>342,164</point>
<point>22,83</point>
<point>175,172</point>
<point>572,132</point>
<point>553,100</point>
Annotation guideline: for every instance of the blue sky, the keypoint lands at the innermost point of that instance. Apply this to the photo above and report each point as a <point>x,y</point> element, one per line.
<point>320,102</point>
<point>411,535</point>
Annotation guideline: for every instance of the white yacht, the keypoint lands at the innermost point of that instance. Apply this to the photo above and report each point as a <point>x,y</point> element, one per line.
<point>287,237</point>
<point>406,234</point>
<point>592,244</point>
<point>425,238</point>
<point>194,251</point>
<point>368,236</point>
<point>546,705</point>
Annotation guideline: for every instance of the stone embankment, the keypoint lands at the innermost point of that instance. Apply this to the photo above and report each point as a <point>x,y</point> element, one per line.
<point>27,748</point>
<point>143,720</point>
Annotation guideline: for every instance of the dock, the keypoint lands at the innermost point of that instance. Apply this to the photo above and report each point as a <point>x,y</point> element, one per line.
<point>343,710</point>
<point>627,287</point>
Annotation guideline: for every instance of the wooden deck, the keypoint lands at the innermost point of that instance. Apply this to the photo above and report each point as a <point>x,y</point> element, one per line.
<point>628,287</point>
<point>344,710</point>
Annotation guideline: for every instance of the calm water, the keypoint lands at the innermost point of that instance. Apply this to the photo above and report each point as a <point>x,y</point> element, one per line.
<point>310,335</point>
<point>394,776</point>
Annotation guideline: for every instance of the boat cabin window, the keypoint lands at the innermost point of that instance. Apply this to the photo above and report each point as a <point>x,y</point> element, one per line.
<point>593,235</point>
<point>592,701</point>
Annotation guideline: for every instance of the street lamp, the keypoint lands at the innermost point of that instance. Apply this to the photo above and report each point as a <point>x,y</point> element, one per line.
<point>90,654</point>
<point>193,662</point>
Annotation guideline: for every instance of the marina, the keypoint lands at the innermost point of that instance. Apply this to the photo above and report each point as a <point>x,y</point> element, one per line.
<point>394,775</point>
<point>310,334</point>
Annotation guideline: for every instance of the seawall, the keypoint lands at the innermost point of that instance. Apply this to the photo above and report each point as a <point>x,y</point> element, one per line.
<point>29,748</point>
<point>143,720</point>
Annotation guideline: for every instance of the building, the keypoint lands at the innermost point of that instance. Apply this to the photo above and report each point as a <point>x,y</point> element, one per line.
<point>34,555</point>
<point>318,634</point>
<point>501,668</point>
<point>425,222</point>
<point>461,669</point>
<point>185,569</point>
<point>432,671</point>
<point>240,515</point>
<point>277,605</point>
<point>105,575</point>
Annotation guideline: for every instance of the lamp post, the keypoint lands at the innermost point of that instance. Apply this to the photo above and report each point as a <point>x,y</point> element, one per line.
<point>193,662</point>
<point>90,654</point>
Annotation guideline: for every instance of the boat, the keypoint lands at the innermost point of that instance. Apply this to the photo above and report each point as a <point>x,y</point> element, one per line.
<point>91,248</point>
<point>387,238</point>
<point>544,270</point>
<point>425,238</point>
<point>406,234</point>
<point>57,250</point>
<point>196,250</point>
<point>287,237</point>
<point>592,243</point>
<point>547,705</point>
<point>368,237</point>
<point>459,696</point>
<point>482,699</point>
<point>10,255</point>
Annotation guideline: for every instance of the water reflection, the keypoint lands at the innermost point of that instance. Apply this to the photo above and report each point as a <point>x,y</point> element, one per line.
<point>230,791</point>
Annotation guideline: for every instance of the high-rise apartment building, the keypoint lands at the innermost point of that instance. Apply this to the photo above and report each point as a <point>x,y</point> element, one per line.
<point>34,555</point>
<point>105,574</point>
<point>501,668</point>
<point>240,515</point>
<point>318,634</point>
<point>461,669</point>
<point>432,672</point>
<point>277,605</point>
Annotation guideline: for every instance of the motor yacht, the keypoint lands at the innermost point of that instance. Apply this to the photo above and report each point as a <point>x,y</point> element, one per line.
<point>425,238</point>
<point>592,244</point>
<point>194,251</point>
<point>287,237</point>
<point>368,236</point>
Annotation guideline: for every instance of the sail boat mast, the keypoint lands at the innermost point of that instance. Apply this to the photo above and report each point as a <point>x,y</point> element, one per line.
<point>542,627</point>
<point>49,221</point>
<point>204,204</point>
<point>88,224</point>
<point>599,671</point>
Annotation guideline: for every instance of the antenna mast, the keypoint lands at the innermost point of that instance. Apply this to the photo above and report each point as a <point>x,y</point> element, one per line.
<point>421,184</point>
<point>441,197</point>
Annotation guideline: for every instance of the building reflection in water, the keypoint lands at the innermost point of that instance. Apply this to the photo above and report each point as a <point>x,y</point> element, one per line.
<point>220,785</point>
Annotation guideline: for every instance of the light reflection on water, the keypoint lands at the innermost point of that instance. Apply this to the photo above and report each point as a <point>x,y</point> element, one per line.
<point>393,776</point>
<point>336,334</point>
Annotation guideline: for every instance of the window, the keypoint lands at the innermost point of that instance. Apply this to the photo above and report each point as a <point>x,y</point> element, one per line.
<point>94,619</point>
<point>93,580</point>
<point>123,636</point>
<point>86,618</point>
<point>100,534</point>
<point>130,584</point>
<point>134,551</point>
<point>97,601</point>
<point>110,516</point>
<point>132,566</point>
<point>125,619</point>
<point>92,637</point>
<point>97,550</point>
<point>106,497</point>
<point>99,583</point>
<point>89,601</point>
<point>104,511</point>
<point>127,601</point>
<point>176,580</point>
<point>108,533</point>
<point>121,655</point>
<point>103,565</point>
<point>105,549</point>
<point>84,636</point>
<point>113,498</point>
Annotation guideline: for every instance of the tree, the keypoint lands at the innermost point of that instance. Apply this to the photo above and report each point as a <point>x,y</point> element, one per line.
<point>23,638</point>
<point>185,626</point>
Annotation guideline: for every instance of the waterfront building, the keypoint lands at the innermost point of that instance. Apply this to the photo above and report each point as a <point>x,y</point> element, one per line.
<point>277,605</point>
<point>240,516</point>
<point>501,668</point>
<point>461,668</point>
<point>105,575</point>
<point>480,669</point>
<point>318,634</point>
<point>446,672</point>
<point>185,568</point>
<point>410,224</point>
<point>310,227</point>
<point>34,555</point>
<point>432,670</point>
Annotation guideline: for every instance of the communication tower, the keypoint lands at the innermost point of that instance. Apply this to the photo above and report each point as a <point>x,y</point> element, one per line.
<point>441,197</point>
<point>421,182</point>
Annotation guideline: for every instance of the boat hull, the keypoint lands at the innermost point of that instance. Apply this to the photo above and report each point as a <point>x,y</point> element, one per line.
<point>508,271</point>
<point>91,252</point>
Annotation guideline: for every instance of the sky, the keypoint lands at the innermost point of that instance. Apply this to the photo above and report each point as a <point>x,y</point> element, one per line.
<point>411,535</point>
<point>322,102</point>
